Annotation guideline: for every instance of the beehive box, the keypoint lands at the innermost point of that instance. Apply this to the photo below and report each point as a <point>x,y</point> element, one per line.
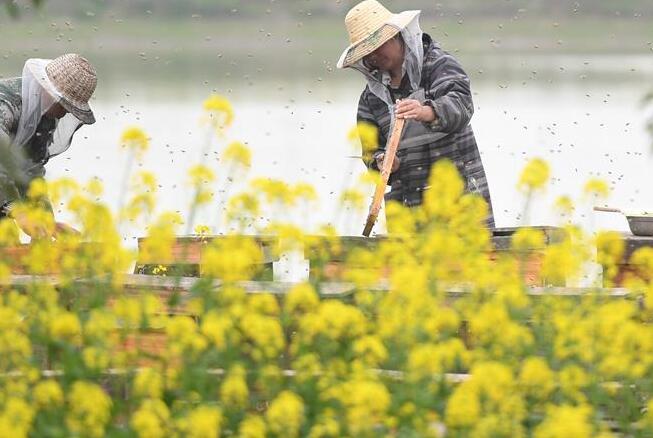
<point>49,258</point>
<point>187,257</point>
<point>532,258</point>
<point>627,268</point>
<point>332,263</point>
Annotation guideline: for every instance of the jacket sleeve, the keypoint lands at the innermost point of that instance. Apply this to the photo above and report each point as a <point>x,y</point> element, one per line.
<point>7,120</point>
<point>8,189</point>
<point>449,95</point>
<point>365,115</point>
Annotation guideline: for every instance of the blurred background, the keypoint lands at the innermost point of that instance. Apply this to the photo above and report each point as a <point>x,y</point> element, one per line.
<point>556,79</point>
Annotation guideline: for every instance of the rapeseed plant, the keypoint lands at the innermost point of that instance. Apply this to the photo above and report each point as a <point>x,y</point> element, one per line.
<point>429,333</point>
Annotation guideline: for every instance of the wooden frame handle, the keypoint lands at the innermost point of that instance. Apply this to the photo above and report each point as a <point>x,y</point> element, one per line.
<point>386,169</point>
<point>608,209</point>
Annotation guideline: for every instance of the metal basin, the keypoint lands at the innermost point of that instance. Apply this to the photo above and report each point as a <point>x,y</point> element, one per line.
<point>640,225</point>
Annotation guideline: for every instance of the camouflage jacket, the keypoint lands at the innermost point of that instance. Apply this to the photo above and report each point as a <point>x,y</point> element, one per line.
<point>19,168</point>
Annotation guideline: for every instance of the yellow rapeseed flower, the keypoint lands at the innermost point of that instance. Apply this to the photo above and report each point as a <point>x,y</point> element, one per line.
<point>94,187</point>
<point>48,394</point>
<point>135,139</point>
<point>564,205</point>
<point>265,335</point>
<point>219,113</point>
<point>265,304</point>
<point>38,189</point>
<point>367,134</point>
<point>274,191</point>
<point>494,329</point>
<point>301,298</point>
<point>96,358</point>
<point>243,204</point>
<point>150,419</point>
<point>610,248</point>
<point>353,197</point>
<point>432,360</point>
<point>566,421</point>
<point>285,415</point>
<point>200,174</point>
<point>596,188</point>
<point>333,320</point>
<point>139,205</point>
<point>148,383</point>
<point>440,201</point>
<point>307,366</point>
<point>535,175</point>
<point>202,230</point>
<point>365,402</point>
<point>252,426</point>
<point>528,239</point>
<point>204,422</point>
<point>183,335</point>
<point>146,180</point>
<point>232,258</point>
<point>233,391</point>
<point>89,409</point>
<point>216,328</point>
<point>463,407</point>
<point>9,233</point>
<point>65,326</point>
<point>99,324</point>
<point>327,426</point>
<point>573,379</point>
<point>562,262</point>
<point>16,418</point>
<point>157,246</point>
<point>305,192</point>
<point>60,188</point>
<point>239,154</point>
<point>536,378</point>
<point>370,350</point>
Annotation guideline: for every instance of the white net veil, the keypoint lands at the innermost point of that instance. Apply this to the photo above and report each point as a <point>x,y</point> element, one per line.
<point>38,96</point>
<point>412,66</point>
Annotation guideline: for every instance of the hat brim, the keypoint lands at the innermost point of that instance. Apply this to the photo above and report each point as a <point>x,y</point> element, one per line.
<point>359,49</point>
<point>81,110</point>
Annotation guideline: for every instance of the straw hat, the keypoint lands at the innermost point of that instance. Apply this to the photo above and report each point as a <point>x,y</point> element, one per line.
<point>369,25</point>
<point>70,79</point>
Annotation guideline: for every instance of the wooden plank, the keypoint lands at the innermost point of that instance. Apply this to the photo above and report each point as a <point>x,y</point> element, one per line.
<point>392,374</point>
<point>134,283</point>
<point>502,237</point>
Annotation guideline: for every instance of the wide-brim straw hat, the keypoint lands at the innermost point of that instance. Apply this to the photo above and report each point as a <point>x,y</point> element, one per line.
<point>370,25</point>
<point>70,79</point>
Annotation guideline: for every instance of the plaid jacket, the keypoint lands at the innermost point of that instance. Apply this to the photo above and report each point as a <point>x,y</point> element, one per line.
<point>446,87</point>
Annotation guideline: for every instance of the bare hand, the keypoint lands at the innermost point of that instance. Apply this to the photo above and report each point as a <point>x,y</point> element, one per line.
<point>412,109</point>
<point>395,163</point>
<point>34,229</point>
<point>62,228</point>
